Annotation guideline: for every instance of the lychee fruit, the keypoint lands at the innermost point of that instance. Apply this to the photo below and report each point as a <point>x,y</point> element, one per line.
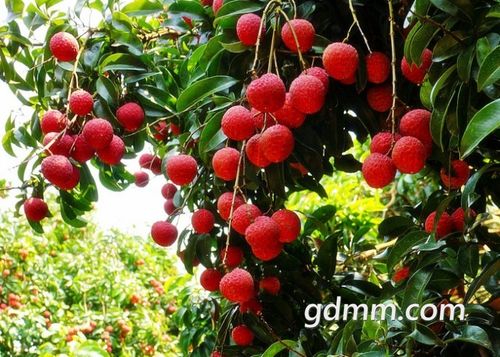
<point>130,116</point>
<point>150,162</point>
<point>242,335</point>
<point>57,169</point>
<point>264,231</point>
<point>349,81</point>
<point>98,133</point>
<point>238,123</point>
<point>252,305</point>
<point>379,98</point>
<point>141,178</point>
<point>307,94</point>
<point>81,102</point>
<point>319,73</point>
<point>225,163</point>
<point>64,46</point>
<point>416,123</point>
<point>224,204</point>
<point>444,225</point>
<point>57,144</point>
<point>383,141</point>
<point>458,218</point>
<point>304,31</point>
<point>73,180</point>
<point>254,152</point>
<point>408,155</point>
<point>267,93</point>
<point>260,119</point>
<point>340,60</point>
<point>53,121</point>
<point>202,221</point>
<point>378,67</point>
<point>237,286</point>
<point>378,170</point>
<point>414,73</point>
<point>267,252</point>
<point>82,151</point>
<point>35,209</point>
<point>164,233</point>
<point>277,143</point>
<point>216,5</point>
<point>181,169</point>
<point>289,224</point>
<point>458,176</point>
<point>169,206</point>
<point>233,256</point>
<point>210,279</point>
<point>168,190</point>
<point>243,216</point>
<point>270,284</point>
<point>113,153</point>
<point>247,29</point>
<point>401,274</point>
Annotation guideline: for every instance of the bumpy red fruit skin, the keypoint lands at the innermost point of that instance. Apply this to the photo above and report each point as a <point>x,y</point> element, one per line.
<point>210,279</point>
<point>254,152</point>
<point>349,81</point>
<point>289,224</point>
<point>378,67</point>
<point>82,151</point>
<point>267,93</point>
<point>304,31</point>
<point>81,102</point>
<point>224,204</point>
<point>57,169</point>
<point>130,116</point>
<point>237,286</point>
<point>53,121</point>
<point>264,231</point>
<point>270,284</point>
<point>288,115</point>
<point>242,335</point>
<point>267,252</point>
<point>203,221</point>
<point>98,133</point>
<point>234,256</point>
<point>141,178</point>
<point>181,169</point>
<point>72,181</point>
<point>307,94</point>
<point>247,29</point>
<point>59,144</point>
<point>459,175</point>
<point>168,190</point>
<point>319,73</point>
<point>381,142</point>
<point>164,233</point>
<point>458,218</point>
<point>35,209</point>
<point>252,305</point>
<point>217,4</point>
<point>277,143</point>
<point>416,123</point>
<point>150,162</point>
<point>113,153</point>
<point>401,274</point>
<point>237,123</point>
<point>243,216</point>
<point>380,97</point>
<point>414,73</point>
<point>340,60</point>
<point>225,163</point>
<point>64,46</point>
<point>444,225</point>
<point>378,170</point>
<point>408,155</point>
<point>169,206</point>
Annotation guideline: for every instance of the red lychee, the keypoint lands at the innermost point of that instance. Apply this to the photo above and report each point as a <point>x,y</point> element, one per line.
<point>444,225</point>
<point>458,176</point>
<point>270,284</point>
<point>168,190</point>
<point>169,206</point>
<point>252,305</point>
<point>150,162</point>
<point>206,2</point>
<point>288,115</point>
<point>243,216</point>
<point>260,119</point>
<point>378,170</point>
<point>242,335</point>
<point>141,178</point>
<point>64,46</point>
<point>414,73</point>
<point>181,169</point>
<point>237,286</point>
<point>53,121</point>
<point>113,153</point>
<point>304,32</point>
<point>408,155</point>
<point>289,224</point>
<point>378,67</point>
<point>238,123</point>
<point>379,98</point>
<point>81,102</point>
<point>401,274</point>
<point>98,133</point>
<point>210,279</point>
<point>224,204</point>
<point>340,60</point>
<point>234,256</point>
<point>277,143</point>
<point>458,218</point>
<point>57,144</point>
<point>217,4</point>
<point>203,221</point>
<point>319,73</point>
<point>130,116</point>
<point>247,29</point>
<point>254,152</point>
<point>57,169</point>
<point>164,233</point>
<point>267,252</point>
<point>82,151</point>
<point>72,181</point>
<point>307,94</point>
<point>416,123</point>
<point>267,93</point>
<point>349,81</point>
<point>35,209</point>
<point>382,142</point>
<point>264,231</point>
<point>225,163</point>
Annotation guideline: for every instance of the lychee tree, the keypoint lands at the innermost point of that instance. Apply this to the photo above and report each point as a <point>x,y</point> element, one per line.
<point>241,104</point>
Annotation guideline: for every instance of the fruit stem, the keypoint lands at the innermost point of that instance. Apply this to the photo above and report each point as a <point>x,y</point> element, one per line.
<point>272,53</point>
<point>259,36</point>
<point>349,32</point>
<point>393,72</point>
<point>355,18</point>
<point>294,6</point>
<point>295,38</point>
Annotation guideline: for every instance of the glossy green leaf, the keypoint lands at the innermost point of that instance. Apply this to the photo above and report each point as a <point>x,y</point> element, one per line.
<point>121,62</point>
<point>200,90</point>
<point>229,12</point>
<point>489,71</point>
<point>464,63</point>
<point>403,246</point>
<point>491,269</point>
<point>107,90</point>
<point>472,334</point>
<point>211,136</point>
<point>416,287</point>
<point>142,7</point>
<point>327,257</point>
<point>278,347</point>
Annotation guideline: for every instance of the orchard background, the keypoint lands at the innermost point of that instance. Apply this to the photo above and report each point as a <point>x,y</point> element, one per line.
<point>309,150</point>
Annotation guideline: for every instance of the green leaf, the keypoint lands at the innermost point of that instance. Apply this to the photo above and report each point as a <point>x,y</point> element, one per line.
<point>211,136</point>
<point>279,346</point>
<point>464,63</point>
<point>403,246</point>
<point>319,218</point>
<point>468,194</point>
<point>90,348</point>
<point>491,269</point>
<point>192,9</point>
<point>121,62</point>
<point>443,106</point>
<point>425,335</point>
<point>415,288</point>
<point>228,14</point>
<point>107,90</point>
<point>394,226</point>
<point>441,83</point>
<point>483,123</point>
<point>489,71</point>
<point>472,334</point>
<point>468,259</point>
<point>142,7</point>
<point>200,90</point>
<point>327,257</point>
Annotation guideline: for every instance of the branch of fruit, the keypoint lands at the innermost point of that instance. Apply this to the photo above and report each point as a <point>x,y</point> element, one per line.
<point>349,32</point>
<point>259,36</point>
<point>355,18</point>
<point>393,71</point>
<point>429,20</point>
<point>156,34</point>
